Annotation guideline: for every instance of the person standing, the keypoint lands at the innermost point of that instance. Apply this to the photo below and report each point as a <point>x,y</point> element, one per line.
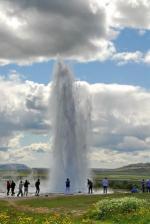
<point>20,189</point>
<point>37,186</point>
<point>143,185</point>
<point>67,185</point>
<point>105,185</point>
<point>148,186</point>
<point>26,187</point>
<point>8,187</point>
<point>13,185</point>
<point>90,186</point>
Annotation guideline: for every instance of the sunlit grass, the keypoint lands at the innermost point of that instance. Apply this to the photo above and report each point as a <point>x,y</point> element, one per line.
<point>74,210</point>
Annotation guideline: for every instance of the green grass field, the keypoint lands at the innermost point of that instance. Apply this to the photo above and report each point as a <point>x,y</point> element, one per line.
<point>70,210</point>
<point>81,208</point>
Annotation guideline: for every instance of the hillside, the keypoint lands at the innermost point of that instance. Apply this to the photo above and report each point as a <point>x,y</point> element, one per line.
<point>13,167</point>
<point>136,166</point>
<point>132,169</point>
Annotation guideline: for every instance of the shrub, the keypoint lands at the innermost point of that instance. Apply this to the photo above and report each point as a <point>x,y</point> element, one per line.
<point>112,207</point>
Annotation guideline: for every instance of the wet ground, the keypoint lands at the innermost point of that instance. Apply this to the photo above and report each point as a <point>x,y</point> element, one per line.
<point>45,194</point>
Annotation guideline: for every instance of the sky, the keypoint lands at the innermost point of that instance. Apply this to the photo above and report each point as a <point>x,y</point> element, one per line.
<point>106,44</point>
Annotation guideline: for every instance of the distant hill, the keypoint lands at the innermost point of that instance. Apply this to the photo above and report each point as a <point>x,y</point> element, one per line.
<point>137,168</point>
<point>13,166</point>
<point>140,168</point>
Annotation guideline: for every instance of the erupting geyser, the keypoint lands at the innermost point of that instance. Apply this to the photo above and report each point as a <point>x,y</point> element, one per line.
<point>70,122</point>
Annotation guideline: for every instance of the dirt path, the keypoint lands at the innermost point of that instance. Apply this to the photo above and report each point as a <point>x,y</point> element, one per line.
<point>42,210</point>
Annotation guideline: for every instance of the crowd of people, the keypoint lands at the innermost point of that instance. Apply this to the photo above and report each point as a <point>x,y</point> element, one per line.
<point>105,184</point>
<point>22,188</point>
<point>145,187</point>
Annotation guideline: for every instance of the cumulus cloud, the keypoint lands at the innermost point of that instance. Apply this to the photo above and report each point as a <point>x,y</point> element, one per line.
<point>120,119</point>
<point>37,147</point>
<point>30,154</point>
<point>24,108</point>
<point>125,57</point>
<point>112,159</point>
<point>121,124</point>
<point>130,13</point>
<point>76,29</point>
<point>36,31</point>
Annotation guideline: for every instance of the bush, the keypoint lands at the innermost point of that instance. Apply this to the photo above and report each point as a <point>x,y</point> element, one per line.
<point>112,207</point>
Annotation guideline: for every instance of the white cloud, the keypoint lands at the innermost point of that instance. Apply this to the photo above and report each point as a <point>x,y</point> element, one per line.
<point>104,158</point>
<point>30,154</point>
<point>130,13</point>
<point>14,142</point>
<point>37,147</point>
<point>147,58</point>
<point>125,57</point>
<point>38,31</point>
<point>120,118</point>
<point>77,30</point>
<point>141,32</point>
<point>132,143</point>
<point>120,124</point>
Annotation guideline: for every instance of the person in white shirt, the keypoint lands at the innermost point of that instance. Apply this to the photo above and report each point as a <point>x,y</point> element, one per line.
<point>105,185</point>
<point>20,189</point>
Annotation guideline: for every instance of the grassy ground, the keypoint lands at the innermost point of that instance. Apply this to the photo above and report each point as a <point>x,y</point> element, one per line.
<point>65,210</point>
<point>75,209</point>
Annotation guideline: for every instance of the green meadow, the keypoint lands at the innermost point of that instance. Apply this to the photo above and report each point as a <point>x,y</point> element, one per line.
<point>117,208</point>
<point>104,209</point>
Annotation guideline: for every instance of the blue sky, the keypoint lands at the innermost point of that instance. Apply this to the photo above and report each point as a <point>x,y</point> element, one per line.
<point>106,44</point>
<point>129,40</point>
<point>92,72</point>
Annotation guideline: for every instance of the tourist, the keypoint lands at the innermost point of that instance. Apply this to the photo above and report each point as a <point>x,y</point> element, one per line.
<point>105,185</point>
<point>13,185</point>
<point>8,187</point>
<point>90,186</point>
<point>148,186</point>
<point>20,189</point>
<point>37,186</point>
<point>134,190</point>
<point>143,185</point>
<point>26,186</point>
<point>67,185</point>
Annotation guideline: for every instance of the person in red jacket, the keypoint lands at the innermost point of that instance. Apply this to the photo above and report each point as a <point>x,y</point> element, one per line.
<point>8,187</point>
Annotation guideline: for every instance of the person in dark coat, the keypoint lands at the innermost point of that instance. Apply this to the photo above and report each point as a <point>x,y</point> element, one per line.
<point>143,185</point>
<point>26,187</point>
<point>8,187</point>
<point>13,185</point>
<point>37,186</point>
<point>90,186</point>
<point>67,185</point>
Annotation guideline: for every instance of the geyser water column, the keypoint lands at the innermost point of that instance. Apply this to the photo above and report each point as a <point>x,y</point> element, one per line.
<point>70,124</point>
